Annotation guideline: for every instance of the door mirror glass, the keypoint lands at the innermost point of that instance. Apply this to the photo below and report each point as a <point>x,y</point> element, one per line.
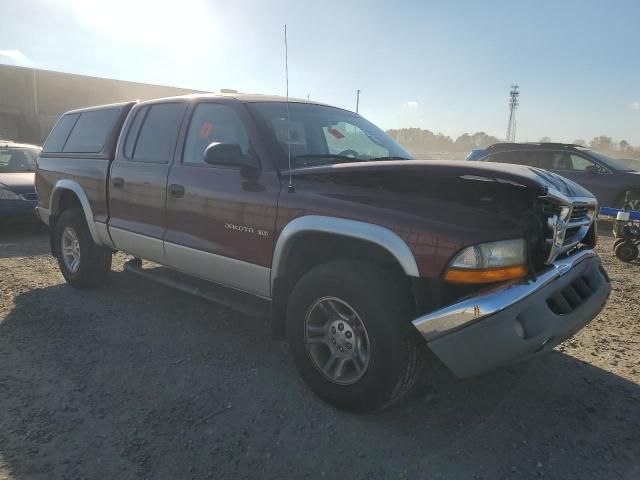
<point>228,154</point>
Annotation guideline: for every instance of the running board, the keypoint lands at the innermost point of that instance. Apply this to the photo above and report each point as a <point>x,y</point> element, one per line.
<point>229,297</point>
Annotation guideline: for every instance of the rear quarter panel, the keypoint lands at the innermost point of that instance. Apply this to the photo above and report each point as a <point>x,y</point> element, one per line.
<point>90,174</point>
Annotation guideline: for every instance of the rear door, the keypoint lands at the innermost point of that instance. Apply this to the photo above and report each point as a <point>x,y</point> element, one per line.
<point>138,180</point>
<point>221,218</point>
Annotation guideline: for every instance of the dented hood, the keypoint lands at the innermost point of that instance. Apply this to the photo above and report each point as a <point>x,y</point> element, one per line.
<point>434,172</point>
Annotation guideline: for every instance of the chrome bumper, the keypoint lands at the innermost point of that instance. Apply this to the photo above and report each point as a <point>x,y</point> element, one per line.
<point>441,322</point>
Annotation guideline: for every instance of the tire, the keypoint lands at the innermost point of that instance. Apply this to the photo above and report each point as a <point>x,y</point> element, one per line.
<point>370,297</point>
<point>626,251</point>
<point>93,261</point>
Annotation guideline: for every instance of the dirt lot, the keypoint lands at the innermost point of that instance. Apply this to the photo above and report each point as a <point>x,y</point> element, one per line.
<point>138,381</point>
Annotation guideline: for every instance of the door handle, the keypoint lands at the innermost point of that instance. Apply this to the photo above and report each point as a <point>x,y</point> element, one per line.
<point>176,190</point>
<point>117,182</point>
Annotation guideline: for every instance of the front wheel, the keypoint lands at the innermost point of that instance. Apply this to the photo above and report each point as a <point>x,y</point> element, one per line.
<point>349,331</point>
<point>83,263</point>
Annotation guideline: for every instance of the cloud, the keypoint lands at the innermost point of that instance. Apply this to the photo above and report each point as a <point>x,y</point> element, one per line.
<point>635,105</point>
<point>14,57</point>
<point>411,104</point>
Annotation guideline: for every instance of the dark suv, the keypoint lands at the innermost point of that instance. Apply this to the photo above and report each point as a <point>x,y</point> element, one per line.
<point>613,183</point>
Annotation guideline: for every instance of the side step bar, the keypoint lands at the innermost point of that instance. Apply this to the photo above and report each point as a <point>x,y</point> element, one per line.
<point>229,297</point>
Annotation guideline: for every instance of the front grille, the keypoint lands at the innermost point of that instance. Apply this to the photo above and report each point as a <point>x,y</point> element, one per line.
<point>579,212</point>
<point>564,230</point>
<point>29,196</point>
<point>572,296</point>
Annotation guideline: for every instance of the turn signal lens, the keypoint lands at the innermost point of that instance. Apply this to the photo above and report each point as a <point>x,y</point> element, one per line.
<point>489,262</point>
<point>490,275</point>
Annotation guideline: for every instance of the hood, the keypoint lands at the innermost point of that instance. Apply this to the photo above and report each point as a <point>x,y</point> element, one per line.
<point>20,182</point>
<point>452,174</point>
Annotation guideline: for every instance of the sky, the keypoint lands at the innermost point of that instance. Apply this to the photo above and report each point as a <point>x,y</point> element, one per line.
<point>441,65</point>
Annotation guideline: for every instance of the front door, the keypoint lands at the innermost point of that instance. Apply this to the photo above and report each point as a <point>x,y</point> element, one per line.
<point>221,218</point>
<point>138,181</point>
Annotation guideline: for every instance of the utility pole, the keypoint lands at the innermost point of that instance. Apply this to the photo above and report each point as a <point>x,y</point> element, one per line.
<point>514,100</point>
<point>357,100</point>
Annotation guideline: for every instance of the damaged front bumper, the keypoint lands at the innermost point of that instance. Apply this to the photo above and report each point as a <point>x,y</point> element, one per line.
<point>517,320</point>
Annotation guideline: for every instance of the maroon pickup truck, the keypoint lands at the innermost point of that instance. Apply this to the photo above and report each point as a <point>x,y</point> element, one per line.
<point>367,257</point>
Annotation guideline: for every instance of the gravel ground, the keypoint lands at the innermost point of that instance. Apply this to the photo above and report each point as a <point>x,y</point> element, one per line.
<point>134,380</point>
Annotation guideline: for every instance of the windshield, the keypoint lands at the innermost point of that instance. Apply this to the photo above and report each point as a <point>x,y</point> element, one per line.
<point>321,135</point>
<point>610,162</point>
<point>13,160</point>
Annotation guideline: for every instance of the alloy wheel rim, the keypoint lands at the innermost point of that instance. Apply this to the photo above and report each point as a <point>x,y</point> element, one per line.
<point>70,249</point>
<point>337,340</point>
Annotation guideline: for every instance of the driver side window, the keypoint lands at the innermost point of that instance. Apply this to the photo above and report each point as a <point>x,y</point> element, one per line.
<point>213,122</point>
<point>583,164</point>
<point>345,137</point>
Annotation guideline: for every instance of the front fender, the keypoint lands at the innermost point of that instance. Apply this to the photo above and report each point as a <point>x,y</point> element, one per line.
<point>376,234</point>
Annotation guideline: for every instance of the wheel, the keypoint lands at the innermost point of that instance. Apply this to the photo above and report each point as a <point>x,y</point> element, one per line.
<point>617,242</point>
<point>350,335</point>
<point>626,251</point>
<point>83,263</point>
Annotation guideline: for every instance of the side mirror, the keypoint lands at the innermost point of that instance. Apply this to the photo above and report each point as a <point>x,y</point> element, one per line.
<point>228,154</point>
<point>593,169</point>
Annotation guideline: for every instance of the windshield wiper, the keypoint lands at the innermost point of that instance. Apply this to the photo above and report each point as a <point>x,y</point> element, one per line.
<point>380,159</point>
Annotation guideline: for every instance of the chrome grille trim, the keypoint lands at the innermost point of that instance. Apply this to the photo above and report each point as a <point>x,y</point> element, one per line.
<point>568,222</point>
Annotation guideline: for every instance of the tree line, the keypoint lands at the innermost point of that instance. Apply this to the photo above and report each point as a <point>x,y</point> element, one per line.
<point>420,141</point>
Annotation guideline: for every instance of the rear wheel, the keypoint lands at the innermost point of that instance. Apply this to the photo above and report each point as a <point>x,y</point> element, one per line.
<point>349,331</point>
<point>83,263</point>
<point>626,251</point>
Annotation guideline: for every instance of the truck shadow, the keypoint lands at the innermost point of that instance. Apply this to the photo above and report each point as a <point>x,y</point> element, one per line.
<point>135,380</point>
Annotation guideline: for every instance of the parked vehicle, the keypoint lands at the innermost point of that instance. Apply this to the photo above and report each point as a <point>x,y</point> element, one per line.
<point>615,184</point>
<point>367,257</point>
<point>475,154</point>
<point>17,190</point>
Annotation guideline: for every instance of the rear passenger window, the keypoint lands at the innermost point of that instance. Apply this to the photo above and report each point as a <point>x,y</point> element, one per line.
<point>154,133</point>
<point>538,159</point>
<point>506,157</point>
<point>91,131</point>
<point>58,136</point>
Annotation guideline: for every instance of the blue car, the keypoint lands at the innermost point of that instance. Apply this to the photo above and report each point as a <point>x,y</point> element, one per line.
<point>17,189</point>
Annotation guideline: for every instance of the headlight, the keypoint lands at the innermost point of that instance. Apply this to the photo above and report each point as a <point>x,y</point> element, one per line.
<point>489,262</point>
<point>7,195</point>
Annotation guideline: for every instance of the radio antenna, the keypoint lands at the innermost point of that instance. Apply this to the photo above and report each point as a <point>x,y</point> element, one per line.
<point>290,188</point>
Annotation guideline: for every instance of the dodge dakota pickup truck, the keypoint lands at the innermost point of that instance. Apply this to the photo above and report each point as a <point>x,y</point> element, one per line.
<point>367,258</point>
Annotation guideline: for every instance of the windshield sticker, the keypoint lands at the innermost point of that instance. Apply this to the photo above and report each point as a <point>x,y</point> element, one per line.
<point>205,130</point>
<point>336,133</point>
